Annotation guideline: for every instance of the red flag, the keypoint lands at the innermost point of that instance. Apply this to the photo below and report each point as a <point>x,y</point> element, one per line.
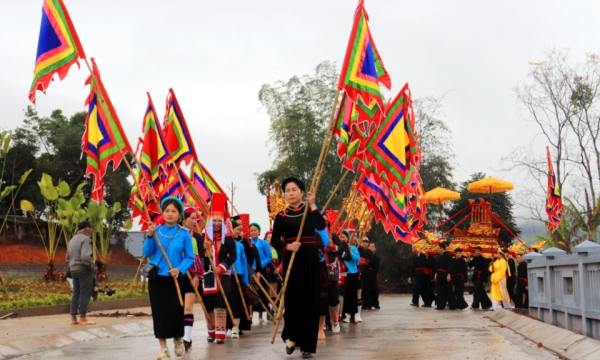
<point>553,198</point>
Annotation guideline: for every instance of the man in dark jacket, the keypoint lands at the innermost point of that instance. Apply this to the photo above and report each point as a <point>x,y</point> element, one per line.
<point>459,278</point>
<point>430,267</point>
<point>81,266</point>
<point>373,277</point>
<point>443,279</point>
<point>480,267</point>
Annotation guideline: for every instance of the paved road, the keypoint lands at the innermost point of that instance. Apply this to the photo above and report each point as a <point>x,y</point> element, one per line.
<point>397,331</point>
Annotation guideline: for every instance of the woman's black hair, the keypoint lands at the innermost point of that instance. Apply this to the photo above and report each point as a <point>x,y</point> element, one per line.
<point>298,183</point>
<point>176,204</point>
<point>234,225</point>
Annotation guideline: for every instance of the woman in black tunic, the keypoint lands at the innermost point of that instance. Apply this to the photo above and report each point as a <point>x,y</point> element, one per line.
<point>302,294</point>
<point>222,250</point>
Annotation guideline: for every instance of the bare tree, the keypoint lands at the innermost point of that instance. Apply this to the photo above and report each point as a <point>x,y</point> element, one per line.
<point>562,98</point>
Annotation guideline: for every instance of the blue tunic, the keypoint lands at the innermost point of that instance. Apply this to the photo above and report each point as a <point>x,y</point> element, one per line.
<point>353,264</point>
<point>241,265</point>
<point>325,237</point>
<point>180,243</point>
<point>264,251</point>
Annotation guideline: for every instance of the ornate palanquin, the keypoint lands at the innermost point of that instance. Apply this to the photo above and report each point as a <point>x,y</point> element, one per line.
<point>483,231</point>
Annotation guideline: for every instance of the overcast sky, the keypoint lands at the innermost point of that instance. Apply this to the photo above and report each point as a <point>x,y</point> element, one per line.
<point>216,55</point>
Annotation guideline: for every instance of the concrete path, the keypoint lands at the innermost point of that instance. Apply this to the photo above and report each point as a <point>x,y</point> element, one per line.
<point>397,331</point>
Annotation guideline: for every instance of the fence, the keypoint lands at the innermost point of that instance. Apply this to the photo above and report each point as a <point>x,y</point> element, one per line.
<point>564,290</point>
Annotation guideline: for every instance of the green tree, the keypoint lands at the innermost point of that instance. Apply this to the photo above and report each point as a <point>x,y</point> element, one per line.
<point>300,109</point>
<point>502,205</point>
<point>52,145</point>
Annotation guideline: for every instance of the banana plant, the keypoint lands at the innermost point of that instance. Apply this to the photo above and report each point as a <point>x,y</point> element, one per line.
<point>51,194</point>
<point>588,222</point>
<point>5,139</point>
<point>8,190</point>
<point>70,213</point>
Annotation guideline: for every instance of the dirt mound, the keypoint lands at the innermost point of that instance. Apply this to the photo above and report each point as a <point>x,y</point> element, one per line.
<point>32,254</point>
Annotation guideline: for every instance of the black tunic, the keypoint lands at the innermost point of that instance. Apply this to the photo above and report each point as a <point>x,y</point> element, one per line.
<point>480,266</point>
<point>444,264</point>
<point>419,266</point>
<point>459,270</point>
<point>302,294</point>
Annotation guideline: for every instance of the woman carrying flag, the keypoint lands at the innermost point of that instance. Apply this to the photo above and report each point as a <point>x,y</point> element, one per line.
<point>302,295</point>
<point>221,248</point>
<point>167,313</point>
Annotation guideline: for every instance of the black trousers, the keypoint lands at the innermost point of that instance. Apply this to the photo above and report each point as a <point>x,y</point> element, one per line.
<point>445,293</point>
<point>459,293</point>
<point>366,289</point>
<point>510,286</point>
<point>429,291</point>
<point>521,291</point>
<point>480,297</point>
<point>374,289</point>
<point>420,287</point>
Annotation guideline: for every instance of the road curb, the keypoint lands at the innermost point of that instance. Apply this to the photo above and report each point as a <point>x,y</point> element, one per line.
<point>562,342</point>
<point>56,341</point>
<point>66,308</point>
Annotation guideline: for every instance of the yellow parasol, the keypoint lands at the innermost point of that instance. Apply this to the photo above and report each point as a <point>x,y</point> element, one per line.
<point>439,196</point>
<point>490,185</point>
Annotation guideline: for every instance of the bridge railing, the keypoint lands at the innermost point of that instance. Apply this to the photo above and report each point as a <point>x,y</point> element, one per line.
<point>564,289</point>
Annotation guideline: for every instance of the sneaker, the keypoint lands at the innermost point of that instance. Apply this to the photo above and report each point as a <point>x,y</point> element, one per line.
<point>235,333</point>
<point>179,347</point>
<point>163,354</point>
<point>335,327</point>
<point>229,332</point>
<point>346,319</point>
<point>358,318</point>
<point>220,341</point>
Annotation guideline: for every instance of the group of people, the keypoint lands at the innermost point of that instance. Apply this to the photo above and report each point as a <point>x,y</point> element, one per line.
<point>332,277</point>
<point>443,280</point>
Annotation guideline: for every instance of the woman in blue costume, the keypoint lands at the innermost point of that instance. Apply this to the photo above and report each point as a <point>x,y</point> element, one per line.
<point>167,312</point>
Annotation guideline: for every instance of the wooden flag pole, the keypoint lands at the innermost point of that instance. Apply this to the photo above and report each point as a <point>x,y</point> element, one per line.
<point>262,289</point>
<point>212,264</point>
<point>336,189</point>
<point>241,294</point>
<point>198,296</point>
<point>138,186</point>
<point>137,273</point>
<point>263,305</point>
<point>314,186</point>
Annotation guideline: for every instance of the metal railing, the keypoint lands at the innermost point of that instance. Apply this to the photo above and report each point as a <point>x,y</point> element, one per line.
<point>564,289</point>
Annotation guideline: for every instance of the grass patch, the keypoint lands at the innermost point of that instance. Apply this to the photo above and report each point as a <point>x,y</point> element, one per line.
<point>27,293</point>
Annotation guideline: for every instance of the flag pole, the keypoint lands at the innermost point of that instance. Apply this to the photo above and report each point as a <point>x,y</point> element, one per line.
<point>241,293</point>
<point>138,186</point>
<point>336,189</point>
<point>314,186</point>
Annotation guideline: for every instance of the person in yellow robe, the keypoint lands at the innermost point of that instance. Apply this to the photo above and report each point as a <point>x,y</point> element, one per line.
<point>498,271</point>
